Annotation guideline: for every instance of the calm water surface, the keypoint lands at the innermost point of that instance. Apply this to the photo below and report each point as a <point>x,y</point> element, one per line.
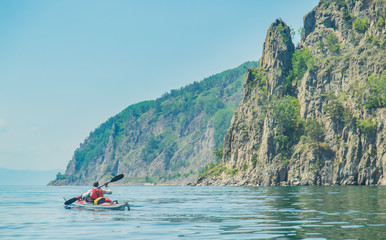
<point>170,212</point>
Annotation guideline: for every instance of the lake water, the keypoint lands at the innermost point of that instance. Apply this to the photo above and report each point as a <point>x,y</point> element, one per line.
<point>172,212</point>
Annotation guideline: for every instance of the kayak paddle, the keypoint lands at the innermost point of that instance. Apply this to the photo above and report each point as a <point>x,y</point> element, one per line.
<point>114,179</point>
<point>71,201</point>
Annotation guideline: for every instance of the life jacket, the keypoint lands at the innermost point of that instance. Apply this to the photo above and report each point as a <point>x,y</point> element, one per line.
<point>96,193</point>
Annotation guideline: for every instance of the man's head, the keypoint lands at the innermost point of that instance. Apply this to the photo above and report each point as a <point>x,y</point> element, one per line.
<point>95,184</point>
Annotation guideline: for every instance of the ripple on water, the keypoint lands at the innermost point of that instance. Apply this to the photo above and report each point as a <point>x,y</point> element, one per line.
<point>335,223</point>
<point>352,226</point>
<point>376,225</point>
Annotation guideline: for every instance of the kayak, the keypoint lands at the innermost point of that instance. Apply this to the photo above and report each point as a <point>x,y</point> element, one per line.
<point>104,206</point>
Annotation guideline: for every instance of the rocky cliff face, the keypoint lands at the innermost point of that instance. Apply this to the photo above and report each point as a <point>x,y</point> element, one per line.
<point>276,58</point>
<point>315,115</point>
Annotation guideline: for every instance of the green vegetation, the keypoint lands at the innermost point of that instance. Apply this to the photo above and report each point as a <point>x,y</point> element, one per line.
<point>347,17</point>
<point>164,144</point>
<point>324,2</point>
<point>293,33</point>
<point>94,146</point>
<point>151,149</point>
<point>281,29</point>
<point>375,92</point>
<point>254,160</point>
<point>231,172</point>
<point>206,95</point>
<point>367,126</point>
<point>341,4</point>
<point>216,169</point>
<point>381,22</point>
<point>302,61</point>
<point>218,153</point>
<point>212,170</point>
<point>333,44</point>
<point>334,108</point>
<point>347,116</point>
<point>300,30</point>
<point>220,119</point>
<point>314,130</point>
<point>286,113</point>
<point>283,142</point>
<point>372,94</point>
<point>374,40</point>
<point>259,80</point>
<point>210,102</point>
<point>320,46</point>
<point>286,110</point>
<point>360,25</point>
<point>60,176</point>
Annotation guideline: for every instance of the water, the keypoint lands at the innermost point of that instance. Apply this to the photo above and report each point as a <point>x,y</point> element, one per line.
<point>171,212</point>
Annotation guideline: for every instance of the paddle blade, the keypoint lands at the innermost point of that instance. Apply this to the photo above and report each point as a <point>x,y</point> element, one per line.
<point>116,178</point>
<point>71,201</point>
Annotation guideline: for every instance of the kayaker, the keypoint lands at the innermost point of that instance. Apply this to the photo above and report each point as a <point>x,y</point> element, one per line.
<point>97,192</point>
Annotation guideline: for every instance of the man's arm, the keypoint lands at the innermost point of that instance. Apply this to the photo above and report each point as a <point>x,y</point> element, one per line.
<point>107,190</point>
<point>86,194</point>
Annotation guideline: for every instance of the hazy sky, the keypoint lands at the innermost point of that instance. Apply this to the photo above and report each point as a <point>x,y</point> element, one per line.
<point>68,66</point>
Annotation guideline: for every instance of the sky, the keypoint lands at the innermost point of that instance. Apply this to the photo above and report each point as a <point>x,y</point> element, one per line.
<point>68,66</point>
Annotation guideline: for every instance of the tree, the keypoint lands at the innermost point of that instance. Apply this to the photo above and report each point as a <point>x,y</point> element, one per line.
<point>302,61</point>
<point>376,92</point>
<point>218,153</point>
<point>334,108</point>
<point>367,126</point>
<point>286,113</point>
<point>333,44</point>
<point>314,130</point>
<point>60,176</point>
<point>360,25</point>
<point>381,22</point>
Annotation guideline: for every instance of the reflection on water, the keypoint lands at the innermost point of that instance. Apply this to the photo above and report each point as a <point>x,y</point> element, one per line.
<point>160,212</point>
<point>354,212</point>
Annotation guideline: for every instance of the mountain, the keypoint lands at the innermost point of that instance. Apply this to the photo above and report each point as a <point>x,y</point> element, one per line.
<point>26,177</point>
<point>314,114</point>
<point>167,140</point>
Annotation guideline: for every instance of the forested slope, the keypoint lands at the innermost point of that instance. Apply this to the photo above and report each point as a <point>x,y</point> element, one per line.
<point>167,140</point>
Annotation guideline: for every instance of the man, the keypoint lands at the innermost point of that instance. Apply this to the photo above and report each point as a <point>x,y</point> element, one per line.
<point>97,192</point>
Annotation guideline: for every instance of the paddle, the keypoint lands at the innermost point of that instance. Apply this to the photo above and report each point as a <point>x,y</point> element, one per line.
<point>114,179</point>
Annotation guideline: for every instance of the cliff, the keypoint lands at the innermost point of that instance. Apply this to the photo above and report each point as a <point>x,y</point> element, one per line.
<point>314,115</point>
<point>167,140</point>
